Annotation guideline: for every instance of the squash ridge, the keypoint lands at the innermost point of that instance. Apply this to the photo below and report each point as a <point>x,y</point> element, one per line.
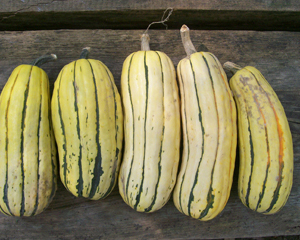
<point>5,197</point>
<point>138,196</point>
<point>133,140</point>
<point>98,171</point>
<point>22,210</point>
<point>161,142</point>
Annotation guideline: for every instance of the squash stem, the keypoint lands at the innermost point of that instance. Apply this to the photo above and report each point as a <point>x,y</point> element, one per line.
<point>85,53</point>
<point>145,40</point>
<point>232,67</point>
<point>43,59</point>
<point>186,40</point>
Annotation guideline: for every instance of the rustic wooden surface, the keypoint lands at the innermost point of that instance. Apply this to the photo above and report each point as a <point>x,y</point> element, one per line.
<point>276,54</point>
<point>91,5</point>
<point>132,14</point>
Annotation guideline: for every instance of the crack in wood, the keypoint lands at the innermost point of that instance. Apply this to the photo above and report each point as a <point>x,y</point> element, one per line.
<point>26,8</point>
<point>293,120</point>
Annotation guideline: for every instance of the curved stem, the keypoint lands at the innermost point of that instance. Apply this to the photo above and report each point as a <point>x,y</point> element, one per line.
<point>232,67</point>
<point>162,21</point>
<point>145,39</point>
<point>43,59</point>
<point>85,53</point>
<point>186,40</point>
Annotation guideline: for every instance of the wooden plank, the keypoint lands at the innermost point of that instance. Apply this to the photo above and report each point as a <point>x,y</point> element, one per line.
<point>91,5</point>
<point>276,54</point>
<point>89,14</point>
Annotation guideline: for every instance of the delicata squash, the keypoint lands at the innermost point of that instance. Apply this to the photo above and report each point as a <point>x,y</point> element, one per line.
<point>152,129</point>
<point>88,125</point>
<point>28,168</point>
<point>209,134</point>
<point>265,142</point>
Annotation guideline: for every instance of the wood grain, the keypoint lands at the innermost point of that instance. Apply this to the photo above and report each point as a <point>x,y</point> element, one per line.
<point>275,54</point>
<point>90,5</point>
<point>120,14</point>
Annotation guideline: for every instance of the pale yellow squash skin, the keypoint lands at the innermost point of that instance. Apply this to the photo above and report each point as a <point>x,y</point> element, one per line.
<point>209,137</point>
<point>265,143</point>
<point>88,125</point>
<point>28,166</point>
<point>208,116</point>
<point>152,130</point>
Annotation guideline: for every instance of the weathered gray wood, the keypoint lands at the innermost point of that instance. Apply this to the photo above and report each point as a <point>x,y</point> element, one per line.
<point>206,14</point>
<point>276,54</point>
<point>91,5</point>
